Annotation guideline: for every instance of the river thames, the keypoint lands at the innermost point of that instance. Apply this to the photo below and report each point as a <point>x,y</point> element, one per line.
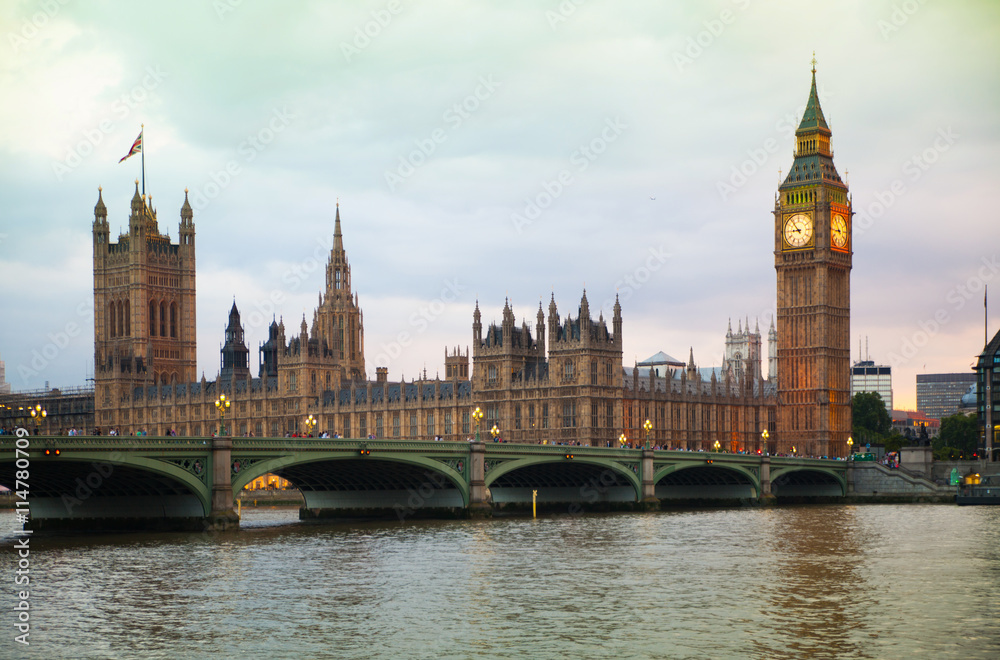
<point>875,581</point>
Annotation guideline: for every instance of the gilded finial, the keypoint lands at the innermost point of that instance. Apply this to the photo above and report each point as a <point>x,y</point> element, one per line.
<point>185,191</point>
<point>814,61</point>
<point>99,189</point>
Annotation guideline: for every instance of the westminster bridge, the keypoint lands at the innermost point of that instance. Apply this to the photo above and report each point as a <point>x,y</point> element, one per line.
<point>191,483</point>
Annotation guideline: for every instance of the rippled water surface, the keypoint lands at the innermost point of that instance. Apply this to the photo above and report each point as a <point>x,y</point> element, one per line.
<point>825,582</point>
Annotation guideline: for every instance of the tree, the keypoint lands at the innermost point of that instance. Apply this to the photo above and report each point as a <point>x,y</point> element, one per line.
<point>871,420</point>
<point>958,432</point>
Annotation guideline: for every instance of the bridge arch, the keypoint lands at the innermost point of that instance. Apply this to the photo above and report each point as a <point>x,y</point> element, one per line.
<point>708,481</point>
<point>382,480</point>
<point>80,485</point>
<point>582,479</point>
<point>808,481</point>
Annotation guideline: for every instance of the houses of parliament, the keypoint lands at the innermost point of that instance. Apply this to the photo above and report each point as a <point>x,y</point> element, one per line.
<point>558,380</point>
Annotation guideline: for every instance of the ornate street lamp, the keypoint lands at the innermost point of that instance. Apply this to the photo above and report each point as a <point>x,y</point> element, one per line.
<point>477,415</point>
<point>38,414</point>
<point>494,432</point>
<point>716,445</point>
<point>222,403</point>
<point>647,427</point>
<point>850,445</point>
<point>622,440</point>
<point>764,435</point>
<point>310,425</point>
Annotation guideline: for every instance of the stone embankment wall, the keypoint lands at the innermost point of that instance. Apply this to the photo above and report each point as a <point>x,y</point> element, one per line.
<point>873,481</point>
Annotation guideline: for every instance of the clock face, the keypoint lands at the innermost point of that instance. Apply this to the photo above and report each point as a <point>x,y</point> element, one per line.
<point>838,231</point>
<point>798,230</point>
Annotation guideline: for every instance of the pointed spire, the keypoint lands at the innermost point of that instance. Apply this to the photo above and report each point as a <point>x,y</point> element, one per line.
<point>729,331</point>
<point>812,118</point>
<point>100,209</point>
<point>338,239</point>
<point>690,364</point>
<point>186,213</point>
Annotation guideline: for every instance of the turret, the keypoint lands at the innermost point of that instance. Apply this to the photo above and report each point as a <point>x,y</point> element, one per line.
<point>100,222</point>
<point>540,330</point>
<point>553,322</point>
<point>187,224</point>
<point>617,322</point>
<point>477,327</point>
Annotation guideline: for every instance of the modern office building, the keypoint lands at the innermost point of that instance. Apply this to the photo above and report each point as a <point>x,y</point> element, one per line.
<point>866,376</point>
<point>988,396</point>
<point>940,395</point>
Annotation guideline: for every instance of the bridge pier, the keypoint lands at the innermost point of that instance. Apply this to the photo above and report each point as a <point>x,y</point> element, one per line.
<point>479,501</point>
<point>222,517</point>
<point>766,496</point>
<point>648,501</point>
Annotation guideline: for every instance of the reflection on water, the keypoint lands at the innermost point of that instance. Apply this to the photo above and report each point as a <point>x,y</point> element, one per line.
<point>825,581</point>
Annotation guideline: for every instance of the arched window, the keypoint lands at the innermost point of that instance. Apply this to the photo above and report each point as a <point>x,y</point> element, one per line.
<point>173,319</point>
<point>152,318</point>
<point>121,319</point>
<point>111,319</point>
<point>128,319</point>
<point>163,319</point>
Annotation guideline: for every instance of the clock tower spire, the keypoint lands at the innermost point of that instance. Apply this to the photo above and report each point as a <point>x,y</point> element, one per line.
<point>812,258</point>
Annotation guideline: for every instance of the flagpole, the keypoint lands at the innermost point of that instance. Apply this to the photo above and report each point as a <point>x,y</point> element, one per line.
<point>142,131</point>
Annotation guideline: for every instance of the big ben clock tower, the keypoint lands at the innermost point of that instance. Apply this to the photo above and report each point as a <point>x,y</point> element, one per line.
<point>812,257</point>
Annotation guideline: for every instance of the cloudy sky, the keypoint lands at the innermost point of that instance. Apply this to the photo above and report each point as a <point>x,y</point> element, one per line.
<point>507,149</point>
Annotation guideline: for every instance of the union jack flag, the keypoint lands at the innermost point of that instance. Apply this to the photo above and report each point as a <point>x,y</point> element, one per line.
<point>136,148</point>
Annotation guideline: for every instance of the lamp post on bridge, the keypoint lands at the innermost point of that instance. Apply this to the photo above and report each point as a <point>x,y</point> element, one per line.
<point>310,425</point>
<point>764,435</point>
<point>647,426</point>
<point>622,440</point>
<point>716,446</point>
<point>494,432</point>
<point>222,404</point>
<point>38,414</point>
<point>850,447</point>
<point>477,415</point>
